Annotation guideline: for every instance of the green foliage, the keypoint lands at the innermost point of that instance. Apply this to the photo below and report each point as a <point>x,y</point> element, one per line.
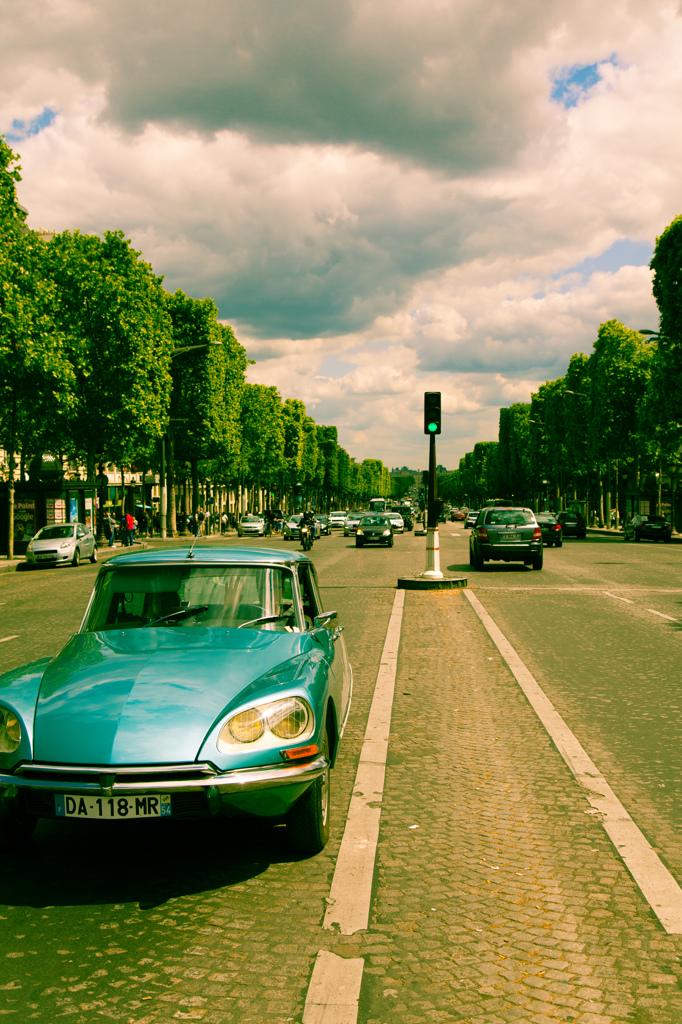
<point>110,308</point>
<point>12,215</point>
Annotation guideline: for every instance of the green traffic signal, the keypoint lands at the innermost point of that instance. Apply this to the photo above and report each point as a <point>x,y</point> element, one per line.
<point>433,427</point>
<point>432,412</point>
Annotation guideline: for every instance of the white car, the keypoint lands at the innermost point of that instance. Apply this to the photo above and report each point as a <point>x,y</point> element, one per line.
<point>251,526</point>
<point>61,544</point>
<point>337,519</point>
<point>397,521</point>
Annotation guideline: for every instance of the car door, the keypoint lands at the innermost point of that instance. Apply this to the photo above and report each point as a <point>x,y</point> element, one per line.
<point>341,677</point>
<point>82,541</point>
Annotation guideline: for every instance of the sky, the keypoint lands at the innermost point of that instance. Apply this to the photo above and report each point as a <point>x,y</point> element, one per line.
<point>384,197</point>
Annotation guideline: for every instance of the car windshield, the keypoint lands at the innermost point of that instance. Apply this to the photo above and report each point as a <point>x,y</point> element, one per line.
<point>295,520</point>
<point>545,517</point>
<point>251,519</point>
<point>55,532</point>
<point>192,595</point>
<point>654,519</point>
<point>374,521</point>
<point>509,517</point>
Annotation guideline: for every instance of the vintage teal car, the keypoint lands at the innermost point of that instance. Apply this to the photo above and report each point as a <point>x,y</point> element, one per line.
<point>202,683</point>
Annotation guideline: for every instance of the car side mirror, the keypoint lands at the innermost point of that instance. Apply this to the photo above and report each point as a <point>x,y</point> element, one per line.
<point>324,619</point>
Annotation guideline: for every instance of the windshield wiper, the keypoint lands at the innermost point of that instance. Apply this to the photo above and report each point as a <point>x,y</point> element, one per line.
<point>265,618</point>
<point>183,613</point>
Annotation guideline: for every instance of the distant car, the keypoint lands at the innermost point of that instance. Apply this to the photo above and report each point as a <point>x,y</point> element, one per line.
<point>642,527</point>
<point>572,524</point>
<point>290,530</point>
<point>471,518</point>
<point>375,529</point>
<point>61,544</point>
<point>551,529</point>
<point>351,523</point>
<point>251,526</point>
<point>204,688</point>
<point>458,515</point>
<point>506,535</point>
<point>337,519</point>
<point>397,521</point>
<point>324,525</point>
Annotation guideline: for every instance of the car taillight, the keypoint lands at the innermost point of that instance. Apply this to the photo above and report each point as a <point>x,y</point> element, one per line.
<point>558,526</point>
<point>537,533</point>
<point>482,533</point>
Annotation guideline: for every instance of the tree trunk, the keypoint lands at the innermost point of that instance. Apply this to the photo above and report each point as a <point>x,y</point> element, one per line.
<point>10,505</point>
<point>194,463</point>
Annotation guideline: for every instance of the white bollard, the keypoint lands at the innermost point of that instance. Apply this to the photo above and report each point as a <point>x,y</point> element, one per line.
<point>432,570</point>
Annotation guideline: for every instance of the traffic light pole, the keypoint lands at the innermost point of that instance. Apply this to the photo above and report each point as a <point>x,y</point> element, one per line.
<point>432,570</point>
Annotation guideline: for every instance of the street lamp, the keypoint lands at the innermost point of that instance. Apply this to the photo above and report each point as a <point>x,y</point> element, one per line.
<point>162,475</point>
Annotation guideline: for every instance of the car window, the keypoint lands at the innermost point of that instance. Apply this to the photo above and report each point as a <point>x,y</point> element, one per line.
<point>509,517</point>
<point>309,594</point>
<point>374,521</point>
<point>55,532</point>
<point>129,598</point>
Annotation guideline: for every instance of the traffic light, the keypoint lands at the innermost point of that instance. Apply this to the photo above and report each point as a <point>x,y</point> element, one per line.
<point>432,412</point>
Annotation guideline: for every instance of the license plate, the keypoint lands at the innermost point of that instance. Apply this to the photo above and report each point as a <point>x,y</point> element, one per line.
<point>100,807</point>
<point>46,556</point>
<point>512,536</point>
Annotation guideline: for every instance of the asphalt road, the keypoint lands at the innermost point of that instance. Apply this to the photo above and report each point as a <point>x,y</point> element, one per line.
<point>207,922</point>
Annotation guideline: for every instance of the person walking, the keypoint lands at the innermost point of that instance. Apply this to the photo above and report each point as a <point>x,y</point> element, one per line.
<point>111,521</point>
<point>129,529</point>
<point>200,521</point>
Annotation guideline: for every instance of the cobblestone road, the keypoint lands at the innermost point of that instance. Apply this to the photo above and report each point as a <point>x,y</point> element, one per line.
<point>498,896</point>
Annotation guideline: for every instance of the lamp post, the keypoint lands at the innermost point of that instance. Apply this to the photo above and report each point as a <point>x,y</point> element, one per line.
<point>162,476</point>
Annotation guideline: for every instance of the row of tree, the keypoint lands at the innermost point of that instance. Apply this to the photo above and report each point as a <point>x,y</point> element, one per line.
<point>98,363</point>
<point>605,434</point>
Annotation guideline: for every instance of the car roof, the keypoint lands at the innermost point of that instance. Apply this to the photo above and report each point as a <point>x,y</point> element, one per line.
<point>202,555</point>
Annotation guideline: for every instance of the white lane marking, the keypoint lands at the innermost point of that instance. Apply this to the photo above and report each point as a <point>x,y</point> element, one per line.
<point>351,888</point>
<point>668,617</point>
<point>618,598</point>
<point>6,638</point>
<point>334,990</point>
<point>657,885</point>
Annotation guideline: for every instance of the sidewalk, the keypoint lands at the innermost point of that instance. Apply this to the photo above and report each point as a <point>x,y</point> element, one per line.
<point>618,533</point>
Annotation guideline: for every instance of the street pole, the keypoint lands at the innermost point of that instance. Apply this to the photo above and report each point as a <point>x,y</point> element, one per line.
<point>162,488</point>
<point>432,570</point>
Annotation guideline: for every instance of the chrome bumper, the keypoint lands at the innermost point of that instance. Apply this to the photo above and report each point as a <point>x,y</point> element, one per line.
<point>107,781</point>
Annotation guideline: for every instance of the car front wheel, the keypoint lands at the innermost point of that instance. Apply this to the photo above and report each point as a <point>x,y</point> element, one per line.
<point>308,819</point>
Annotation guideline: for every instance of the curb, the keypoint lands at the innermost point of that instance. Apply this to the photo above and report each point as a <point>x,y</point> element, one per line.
<point>422,583</point>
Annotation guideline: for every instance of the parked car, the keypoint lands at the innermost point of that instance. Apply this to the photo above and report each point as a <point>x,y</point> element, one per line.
<point>251,526</point>
<point>471,518</point>
<point>643,527</point>
<point>551,529</point>
<point>61,544</point>
<point>572,524</point>
<point>207,687</point>
<point>507,535</point>
<point>375,529</point>
<point>351,523</point>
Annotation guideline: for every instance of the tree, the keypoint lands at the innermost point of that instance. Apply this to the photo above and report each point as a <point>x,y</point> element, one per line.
<point>110,308</point>
<point>262,432</point>
<point>12,214</point>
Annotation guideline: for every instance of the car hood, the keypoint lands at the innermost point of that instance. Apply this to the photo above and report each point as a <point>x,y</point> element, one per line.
<point>149,696</point>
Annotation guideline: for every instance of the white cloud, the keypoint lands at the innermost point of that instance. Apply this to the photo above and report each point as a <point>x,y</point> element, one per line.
<point>408,200</point>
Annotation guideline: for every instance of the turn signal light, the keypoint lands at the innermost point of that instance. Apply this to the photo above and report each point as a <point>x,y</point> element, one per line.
<point>295,753</point>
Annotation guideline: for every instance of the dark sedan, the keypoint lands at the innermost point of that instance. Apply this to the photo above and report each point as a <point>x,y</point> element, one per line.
<point>374,529</point>
<point>653,528</point>
<point>551,529</point>
<point>506,535</point>
<point>325,525</point>
<point>572,524</point>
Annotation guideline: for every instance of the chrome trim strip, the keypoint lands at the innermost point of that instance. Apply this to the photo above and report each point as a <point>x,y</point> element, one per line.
<point>109,769</point>
<point>240,780</point>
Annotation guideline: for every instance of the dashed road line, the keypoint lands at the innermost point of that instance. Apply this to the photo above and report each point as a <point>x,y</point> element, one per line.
<point>618,597</point>
<point>4,639</point>
<point>657,885</point>
<point>670,618</point>
<point>334,989</point>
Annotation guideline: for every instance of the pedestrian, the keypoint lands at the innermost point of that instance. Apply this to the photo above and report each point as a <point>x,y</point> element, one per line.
<point>223,522</point>
<point>200,521</point>
<point>129,529</point>
<point>111,528</point>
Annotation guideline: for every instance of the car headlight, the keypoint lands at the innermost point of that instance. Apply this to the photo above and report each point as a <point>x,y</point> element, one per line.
<point>360,532</point>
<point>10,731</point>
<point>387,533</point>
<point>290,718</point>
<point>65,544</point>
